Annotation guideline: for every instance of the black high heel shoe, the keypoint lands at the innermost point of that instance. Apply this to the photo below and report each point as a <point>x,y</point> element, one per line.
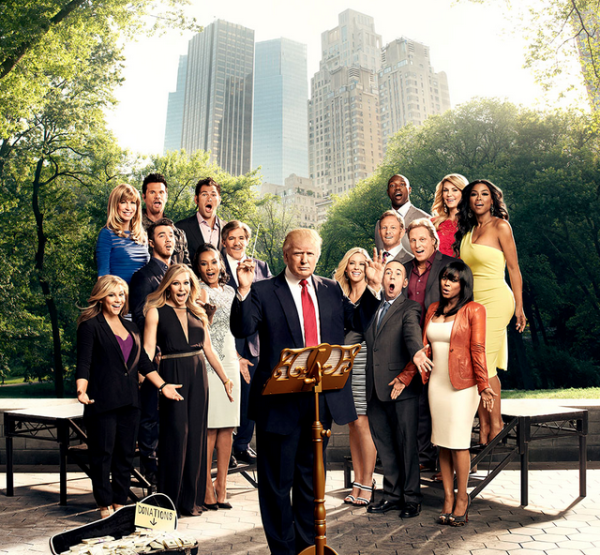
<point>444,518</point>
<point>460,520</point>
<point>363,501</point>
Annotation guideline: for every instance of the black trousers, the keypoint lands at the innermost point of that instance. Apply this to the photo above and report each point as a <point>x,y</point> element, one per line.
<point>284,466</point>
<point>111,448</point>
<point>394,429</point>
<point>148,434</point>
<point>182,446</point>
<point>245,430</point>
<point>427,451</point>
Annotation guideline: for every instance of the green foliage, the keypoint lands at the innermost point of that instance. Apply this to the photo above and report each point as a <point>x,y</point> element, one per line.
<point>548,167</point>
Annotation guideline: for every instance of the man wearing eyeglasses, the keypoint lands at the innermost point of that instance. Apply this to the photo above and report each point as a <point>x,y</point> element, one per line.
<point>204,226</point>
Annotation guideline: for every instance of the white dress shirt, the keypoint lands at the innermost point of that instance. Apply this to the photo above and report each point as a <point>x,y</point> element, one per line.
<point>296,290</point>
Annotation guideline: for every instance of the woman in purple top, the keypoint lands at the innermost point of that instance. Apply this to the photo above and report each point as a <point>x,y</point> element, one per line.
<point>122,246</point>
<point>109,357</point>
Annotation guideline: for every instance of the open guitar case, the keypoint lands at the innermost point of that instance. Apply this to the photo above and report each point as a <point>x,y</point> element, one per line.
<point>119,524</point>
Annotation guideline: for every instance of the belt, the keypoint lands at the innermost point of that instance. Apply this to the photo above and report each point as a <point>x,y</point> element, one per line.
<point>181,355</point>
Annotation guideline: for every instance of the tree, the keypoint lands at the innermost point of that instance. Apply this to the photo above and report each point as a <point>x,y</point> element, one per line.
<point>548,165</point>
<point>563,43</point>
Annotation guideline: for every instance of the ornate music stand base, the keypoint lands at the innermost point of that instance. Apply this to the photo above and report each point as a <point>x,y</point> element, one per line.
<point>312,550</point>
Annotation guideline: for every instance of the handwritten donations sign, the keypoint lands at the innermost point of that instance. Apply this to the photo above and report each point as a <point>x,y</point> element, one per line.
<point>155,518</point>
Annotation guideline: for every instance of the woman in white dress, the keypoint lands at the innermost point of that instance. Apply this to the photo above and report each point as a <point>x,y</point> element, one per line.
<point>223,416</point>
<point>454,331</point>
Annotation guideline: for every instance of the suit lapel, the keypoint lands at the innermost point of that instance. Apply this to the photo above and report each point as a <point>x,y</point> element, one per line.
<point>283,293</point>
<point>136,347</point>
<point>231,281</point>
<point>434,273</point>
<point>321,290</point>
<point>195,229</point>
<point>110,336</point>
<point>389,314</point>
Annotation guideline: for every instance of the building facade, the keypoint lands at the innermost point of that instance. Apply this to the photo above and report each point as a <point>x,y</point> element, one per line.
<point>280,133</point>
<point>174,125</point>
<point>410,91</point>
<point>217,115</point>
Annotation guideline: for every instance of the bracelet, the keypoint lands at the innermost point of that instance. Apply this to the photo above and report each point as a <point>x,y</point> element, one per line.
<point>225,383</point>
<point>162,386</point>
<point>240,357</point>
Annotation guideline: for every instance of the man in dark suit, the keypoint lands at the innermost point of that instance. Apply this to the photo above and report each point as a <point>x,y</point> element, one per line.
<point>391,231</point>
<point>235,237</point>
<point>162,240</point>
<point>294,309</point>
<point>423,286</point>
<point>393,340</point>
<point>204,226</point>
<point>399,192</point>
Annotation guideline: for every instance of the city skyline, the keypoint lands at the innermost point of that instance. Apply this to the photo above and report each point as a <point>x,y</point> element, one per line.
<point>492,68</point>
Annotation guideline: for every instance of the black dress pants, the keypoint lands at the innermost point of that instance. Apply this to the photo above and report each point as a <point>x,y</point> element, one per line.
<point>284,465</point>
<point>111,448</point>
<point>394,429</point>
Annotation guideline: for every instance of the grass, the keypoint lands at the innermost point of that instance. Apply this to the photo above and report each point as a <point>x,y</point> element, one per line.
<point>24,390</point>
<point>571,393</point>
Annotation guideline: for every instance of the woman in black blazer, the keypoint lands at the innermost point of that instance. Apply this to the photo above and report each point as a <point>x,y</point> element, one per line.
<point>109,357</point>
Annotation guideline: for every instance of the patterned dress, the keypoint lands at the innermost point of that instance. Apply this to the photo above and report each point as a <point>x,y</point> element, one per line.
<point>221,412</point>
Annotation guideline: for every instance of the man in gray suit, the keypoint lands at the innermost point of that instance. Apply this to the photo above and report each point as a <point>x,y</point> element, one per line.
<point>393,340</point>
<point>399,192</point>
<point>391,231</point>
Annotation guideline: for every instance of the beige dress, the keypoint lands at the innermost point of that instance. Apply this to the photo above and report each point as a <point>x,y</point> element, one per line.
<point>452,410</point>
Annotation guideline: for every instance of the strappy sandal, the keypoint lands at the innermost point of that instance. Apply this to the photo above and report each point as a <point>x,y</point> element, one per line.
<point>350,499</point>
<point>444,518</point>
<point>105,512</point>
<point>363,501</point>
<point>460,520</point>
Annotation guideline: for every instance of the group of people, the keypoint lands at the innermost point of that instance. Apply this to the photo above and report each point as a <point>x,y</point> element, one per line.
<point>445,314</point>
<point>432,300</point>
<point>160,313</point>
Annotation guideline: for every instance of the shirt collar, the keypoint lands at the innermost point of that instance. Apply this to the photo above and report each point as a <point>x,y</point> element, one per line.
<point>160,264</point>
<point>403,210</point>
<point>293,281</point>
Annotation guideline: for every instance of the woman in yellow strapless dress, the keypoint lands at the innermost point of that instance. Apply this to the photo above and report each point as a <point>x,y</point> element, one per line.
<point>487,245</point>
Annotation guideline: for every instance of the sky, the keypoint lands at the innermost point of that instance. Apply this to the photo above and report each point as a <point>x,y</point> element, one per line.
<point>472,43</point>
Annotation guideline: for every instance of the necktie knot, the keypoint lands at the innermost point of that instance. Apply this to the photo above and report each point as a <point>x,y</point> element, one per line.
<point>303,283</point>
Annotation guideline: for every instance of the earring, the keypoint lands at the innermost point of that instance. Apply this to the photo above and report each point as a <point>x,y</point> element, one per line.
<point>492,210</point>
<point>470,213</point>
<point>445,208</point>
<point>346,276</point>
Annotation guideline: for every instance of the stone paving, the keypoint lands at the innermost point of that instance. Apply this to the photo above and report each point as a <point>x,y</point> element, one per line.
<point>556,522</point>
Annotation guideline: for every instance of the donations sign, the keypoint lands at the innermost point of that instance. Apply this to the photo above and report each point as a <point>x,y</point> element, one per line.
<point>156,518</point>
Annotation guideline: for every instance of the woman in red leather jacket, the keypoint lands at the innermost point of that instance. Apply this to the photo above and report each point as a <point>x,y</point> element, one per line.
<point>454,333</point>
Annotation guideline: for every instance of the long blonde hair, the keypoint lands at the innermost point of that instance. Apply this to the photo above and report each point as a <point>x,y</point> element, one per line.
<point>119,194</point>
<point>102,288</point>
<point>340,273</point>
<point>437,210</point>
<point>160,296</point>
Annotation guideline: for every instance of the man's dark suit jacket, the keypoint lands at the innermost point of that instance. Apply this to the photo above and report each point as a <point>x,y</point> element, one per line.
<point>391,347</point>
<point>248,347</point>
<point>270,310</point>
<point>194,235</point>
<point>432,289</point>
<point>145,281</point>
<point>112,381</point>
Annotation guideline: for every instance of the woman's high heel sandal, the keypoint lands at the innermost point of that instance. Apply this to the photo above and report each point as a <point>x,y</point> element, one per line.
<point>363,501</point>
<point>350,499</point>
<point>460,520</point>
<point>444,518</point>
<point>105,512</point>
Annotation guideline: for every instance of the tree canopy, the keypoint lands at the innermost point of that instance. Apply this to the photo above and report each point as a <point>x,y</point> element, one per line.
<point>548,166</point>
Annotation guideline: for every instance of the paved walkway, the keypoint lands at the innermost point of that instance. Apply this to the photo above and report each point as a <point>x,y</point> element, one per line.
<point>556,522</point>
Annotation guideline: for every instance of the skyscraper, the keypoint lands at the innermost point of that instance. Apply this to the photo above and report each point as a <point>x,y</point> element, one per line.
<point>410,91</point>
<point>280,135</point>
<point>174,124</point>
<point>344,122</point>
<point>218,95</point>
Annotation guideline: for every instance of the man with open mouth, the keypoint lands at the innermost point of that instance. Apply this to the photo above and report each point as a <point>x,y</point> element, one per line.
<point>399,190</point>
<point>204,226</point>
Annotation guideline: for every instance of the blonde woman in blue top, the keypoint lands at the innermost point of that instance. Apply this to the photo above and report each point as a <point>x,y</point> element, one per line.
<point>122,246</point>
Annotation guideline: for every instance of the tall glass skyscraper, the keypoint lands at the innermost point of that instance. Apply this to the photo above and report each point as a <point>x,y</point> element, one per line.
<point>217,114</point>
<point>280,137</point>
<point>174,124</point>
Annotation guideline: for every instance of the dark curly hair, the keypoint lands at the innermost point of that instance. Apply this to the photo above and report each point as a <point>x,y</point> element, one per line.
<point>465,217</point>
<point>223,276</point>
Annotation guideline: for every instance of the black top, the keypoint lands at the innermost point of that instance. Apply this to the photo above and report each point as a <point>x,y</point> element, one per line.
<point>145,281</point>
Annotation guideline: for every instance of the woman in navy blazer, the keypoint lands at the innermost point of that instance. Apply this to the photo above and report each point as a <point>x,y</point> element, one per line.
<point>109,357</point>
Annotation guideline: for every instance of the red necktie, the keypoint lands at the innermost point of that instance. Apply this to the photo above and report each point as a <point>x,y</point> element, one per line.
<point>311,337</point>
